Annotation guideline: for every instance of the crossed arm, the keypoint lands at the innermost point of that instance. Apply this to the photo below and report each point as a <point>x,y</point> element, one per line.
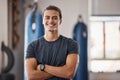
<point>66,71</point>
<point>33,73</point>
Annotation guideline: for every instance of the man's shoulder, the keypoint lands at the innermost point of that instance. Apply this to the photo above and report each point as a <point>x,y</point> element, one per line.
<point>66,38</point>
<point>35,42</point>
<point>70,40</point>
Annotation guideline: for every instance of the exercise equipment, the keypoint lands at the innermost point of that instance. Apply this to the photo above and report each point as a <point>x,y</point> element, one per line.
<point>33,24</point>
<point>80,35</point>
<point>34,28</point>
<point>5,75</point>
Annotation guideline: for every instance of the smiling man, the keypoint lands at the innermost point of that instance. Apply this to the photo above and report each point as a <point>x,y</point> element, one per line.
<point>53,56</point>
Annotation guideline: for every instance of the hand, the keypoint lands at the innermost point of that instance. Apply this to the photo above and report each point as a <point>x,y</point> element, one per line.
<point>38,67</point>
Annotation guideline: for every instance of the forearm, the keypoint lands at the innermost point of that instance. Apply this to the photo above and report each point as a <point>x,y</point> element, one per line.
<point>38,75</point>
<point>66,71</point>
<point>34,72</point>
<point>62,71</point>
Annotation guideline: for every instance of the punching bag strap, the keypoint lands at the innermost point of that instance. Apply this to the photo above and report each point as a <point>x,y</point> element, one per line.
<point>80,18</point>
<point>35,6</point>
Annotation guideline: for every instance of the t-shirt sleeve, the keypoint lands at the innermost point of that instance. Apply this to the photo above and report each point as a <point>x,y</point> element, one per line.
<point>73,47</point>
<point>30,52</point>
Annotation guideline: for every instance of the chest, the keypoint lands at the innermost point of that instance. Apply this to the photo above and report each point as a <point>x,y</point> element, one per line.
<point>52,54</point>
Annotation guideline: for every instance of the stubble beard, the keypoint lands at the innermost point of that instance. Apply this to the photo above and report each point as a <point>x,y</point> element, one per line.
<point>51,31</point>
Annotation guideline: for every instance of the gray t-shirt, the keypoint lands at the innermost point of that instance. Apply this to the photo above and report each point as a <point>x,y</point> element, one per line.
<point>53,53</point>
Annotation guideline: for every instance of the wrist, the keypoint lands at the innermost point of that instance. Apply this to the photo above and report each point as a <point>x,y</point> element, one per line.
<point>42,67</point>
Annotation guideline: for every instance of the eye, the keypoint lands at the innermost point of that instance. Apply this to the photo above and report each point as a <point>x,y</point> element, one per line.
<point>55,17</point>
<point>47,17</point>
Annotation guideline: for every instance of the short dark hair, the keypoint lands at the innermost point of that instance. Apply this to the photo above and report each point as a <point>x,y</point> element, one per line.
<point>52,7</point>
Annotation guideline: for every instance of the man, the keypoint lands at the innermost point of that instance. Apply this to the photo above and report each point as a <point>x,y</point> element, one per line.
<point>53,56</point>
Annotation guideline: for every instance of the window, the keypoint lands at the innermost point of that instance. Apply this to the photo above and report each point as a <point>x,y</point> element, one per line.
<point>105,44</point>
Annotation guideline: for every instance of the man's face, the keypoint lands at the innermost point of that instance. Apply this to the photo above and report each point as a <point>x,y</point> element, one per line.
<point>51,20</point>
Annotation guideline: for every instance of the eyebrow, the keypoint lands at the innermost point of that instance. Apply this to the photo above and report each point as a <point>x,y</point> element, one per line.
<point>48,16</point>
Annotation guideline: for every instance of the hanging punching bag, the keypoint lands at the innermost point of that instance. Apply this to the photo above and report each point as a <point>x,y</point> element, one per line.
<point>34,26</point>
<point>80,35</point>
<point>33,29</point>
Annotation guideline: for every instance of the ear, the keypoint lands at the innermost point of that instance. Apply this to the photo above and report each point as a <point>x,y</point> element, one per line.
<point>60,21</point>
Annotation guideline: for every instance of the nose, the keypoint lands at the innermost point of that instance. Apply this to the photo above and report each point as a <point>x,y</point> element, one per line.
<point>50,20</point>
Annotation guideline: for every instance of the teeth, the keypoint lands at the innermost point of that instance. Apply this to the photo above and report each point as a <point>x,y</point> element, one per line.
<point>52,25</point>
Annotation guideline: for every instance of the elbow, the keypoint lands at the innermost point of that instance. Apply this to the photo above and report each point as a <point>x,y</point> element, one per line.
<point>70,74</point>
<point>30,77</point>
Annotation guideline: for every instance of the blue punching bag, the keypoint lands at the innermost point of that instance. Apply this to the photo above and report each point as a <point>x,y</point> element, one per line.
<point>34,26</point>
<point>33,29</point>
<point>80,35</point>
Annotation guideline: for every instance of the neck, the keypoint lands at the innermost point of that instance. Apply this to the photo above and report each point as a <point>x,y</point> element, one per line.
<point>51,36</point>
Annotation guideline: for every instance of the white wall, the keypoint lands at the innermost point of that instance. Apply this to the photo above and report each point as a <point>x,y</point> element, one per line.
<point>3,25</point>
<point>105,7</point>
